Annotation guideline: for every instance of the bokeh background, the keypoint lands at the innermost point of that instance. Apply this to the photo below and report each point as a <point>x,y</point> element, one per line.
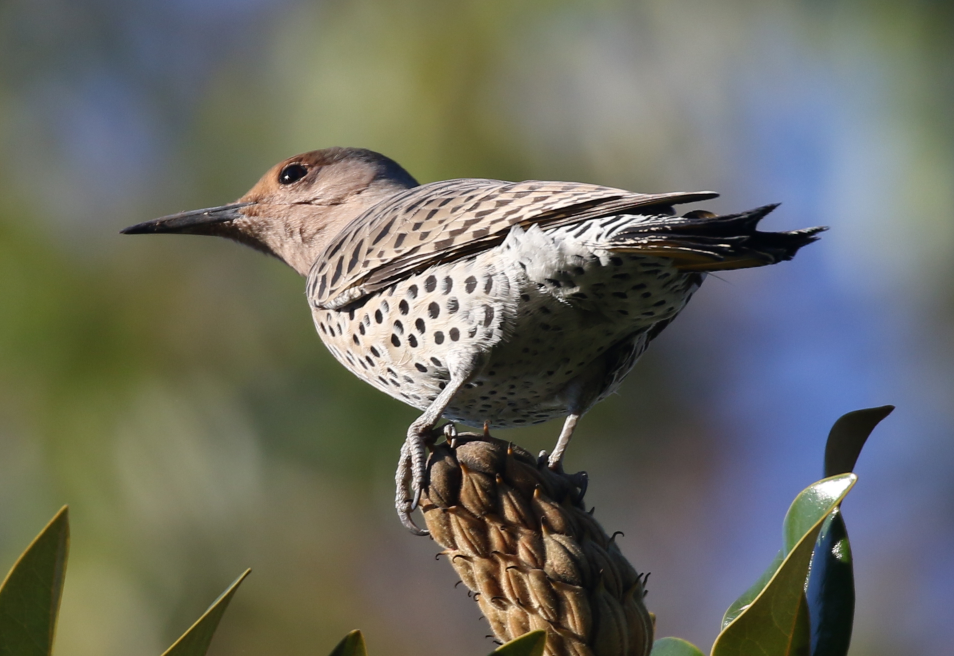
<point>173,392</point>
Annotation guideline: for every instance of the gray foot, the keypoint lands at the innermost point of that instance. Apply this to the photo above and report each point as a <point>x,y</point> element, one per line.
<point>580,479</point>
<point>408,481</point>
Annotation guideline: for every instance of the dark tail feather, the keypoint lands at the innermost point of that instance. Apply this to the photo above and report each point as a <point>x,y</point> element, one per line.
<point>713,243</point>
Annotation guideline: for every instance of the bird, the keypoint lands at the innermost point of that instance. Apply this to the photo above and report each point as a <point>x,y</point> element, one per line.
<point>483,301</point>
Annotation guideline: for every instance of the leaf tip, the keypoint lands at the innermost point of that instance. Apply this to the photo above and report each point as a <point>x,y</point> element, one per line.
<point>529,644</point>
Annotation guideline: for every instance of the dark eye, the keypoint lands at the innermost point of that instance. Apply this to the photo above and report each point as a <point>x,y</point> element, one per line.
<point>292,173</point>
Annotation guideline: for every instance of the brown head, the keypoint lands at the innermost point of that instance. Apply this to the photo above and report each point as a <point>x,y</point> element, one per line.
<point>298,206</point>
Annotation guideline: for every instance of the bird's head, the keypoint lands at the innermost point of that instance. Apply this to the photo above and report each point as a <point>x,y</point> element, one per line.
<point>297,206</point>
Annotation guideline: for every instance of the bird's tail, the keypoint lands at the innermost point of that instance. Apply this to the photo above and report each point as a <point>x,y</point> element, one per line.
<point>702,241</point>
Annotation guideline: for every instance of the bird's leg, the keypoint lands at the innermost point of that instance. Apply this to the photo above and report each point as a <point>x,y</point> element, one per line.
<point>578,396</point>
<point>555,461</point>
<point>412,466</point>
<point>402,476</point>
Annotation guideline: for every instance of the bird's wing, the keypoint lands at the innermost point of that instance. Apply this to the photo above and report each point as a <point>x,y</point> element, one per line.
<point>712,243</point>
<point>446,221</point>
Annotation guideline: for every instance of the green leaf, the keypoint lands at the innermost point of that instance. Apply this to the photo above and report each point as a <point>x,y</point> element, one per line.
<point>351,645</point>
<point>196,641</point>
<point>30,594</point>
<point>776,621</point>
<point>529,644</point>
<point>847,437</point>
<point>747,597</point>
<point>831,584</point>
<point>674,647</point>
<point>809,507</point>
<point>812,505</point>
<point>831,589</point>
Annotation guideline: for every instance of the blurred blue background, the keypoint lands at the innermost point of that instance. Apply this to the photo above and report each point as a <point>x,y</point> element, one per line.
<point>173,392</point>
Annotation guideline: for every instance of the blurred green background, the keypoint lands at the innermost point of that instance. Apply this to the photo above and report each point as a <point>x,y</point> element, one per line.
<point>173,392</point>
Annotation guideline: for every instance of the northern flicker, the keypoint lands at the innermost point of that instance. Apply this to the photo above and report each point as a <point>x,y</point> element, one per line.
<point>482,301</point>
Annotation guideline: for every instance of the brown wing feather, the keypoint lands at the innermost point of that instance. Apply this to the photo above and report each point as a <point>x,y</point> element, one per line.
<point>454,219</point>
<point>713,243</point>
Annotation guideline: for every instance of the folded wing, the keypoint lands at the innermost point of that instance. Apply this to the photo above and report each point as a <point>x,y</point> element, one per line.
<point>454,219</point>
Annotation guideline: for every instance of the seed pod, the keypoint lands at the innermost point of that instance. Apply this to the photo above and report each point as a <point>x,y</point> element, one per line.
<point>464,567</point>
<point>518,621</point>
<point>481,456</point>
<point>497,620</point>
<point>520,474</point>
<point>591,528</point>
<point>553,514</point>
<point>522,541</point>
<point>501,540</point>
<point>443,476</point>
<point>575,612</point>
<point>512,506</point>
<point>545,600</point>
<point>579,648</point>
<point>603,567</point>
<point>570,644</point>
<point>628,576</point>
<point>478,492</point>
<point>565,559</point>
<point>640,625</point>
<point>610,634</point>
<point>469,532</point>
<point>537,623</point>
<point>517,588</point>
<point>486,571</point>
<point>530,548</point>
<point>439,523</point>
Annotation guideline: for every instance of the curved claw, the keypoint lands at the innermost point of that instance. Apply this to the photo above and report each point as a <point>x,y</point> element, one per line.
<point>543,459</point>
<point>410,477</point>
<point>450,431</point>
<point>581,480</point>
<point>405,517</point>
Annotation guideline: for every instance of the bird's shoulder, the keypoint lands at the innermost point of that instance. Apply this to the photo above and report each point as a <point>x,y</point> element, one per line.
<point>445,221</point>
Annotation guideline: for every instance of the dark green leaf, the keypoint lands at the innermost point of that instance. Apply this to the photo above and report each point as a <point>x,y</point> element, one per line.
<point>30,595</point>
<point>196,641</point>
<point>776,621</point>
<point>831,584</point>
<point>831,589</point>
<point>674,647</point>
<point>530,644</point>
<point>351,645</point>
<point>847,437</point>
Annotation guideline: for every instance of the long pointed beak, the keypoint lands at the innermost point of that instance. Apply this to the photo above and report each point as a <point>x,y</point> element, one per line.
<point>196,221</point>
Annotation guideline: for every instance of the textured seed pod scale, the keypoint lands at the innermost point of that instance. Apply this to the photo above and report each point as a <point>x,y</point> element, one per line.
<point>521,540</point>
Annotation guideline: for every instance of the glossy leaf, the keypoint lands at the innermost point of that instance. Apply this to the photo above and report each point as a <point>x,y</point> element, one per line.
<point>831,589</point>
<point>30,594</point>
<point>812,505</point>
<point>754,590</point>
<point>351,645</point>
<point>776,621</point>
<point>674,647</point>
<point>848,436</point>
<point>831,585</point>
<point>808,508</point>
<point>529,644</point>
<point>196,641</point>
